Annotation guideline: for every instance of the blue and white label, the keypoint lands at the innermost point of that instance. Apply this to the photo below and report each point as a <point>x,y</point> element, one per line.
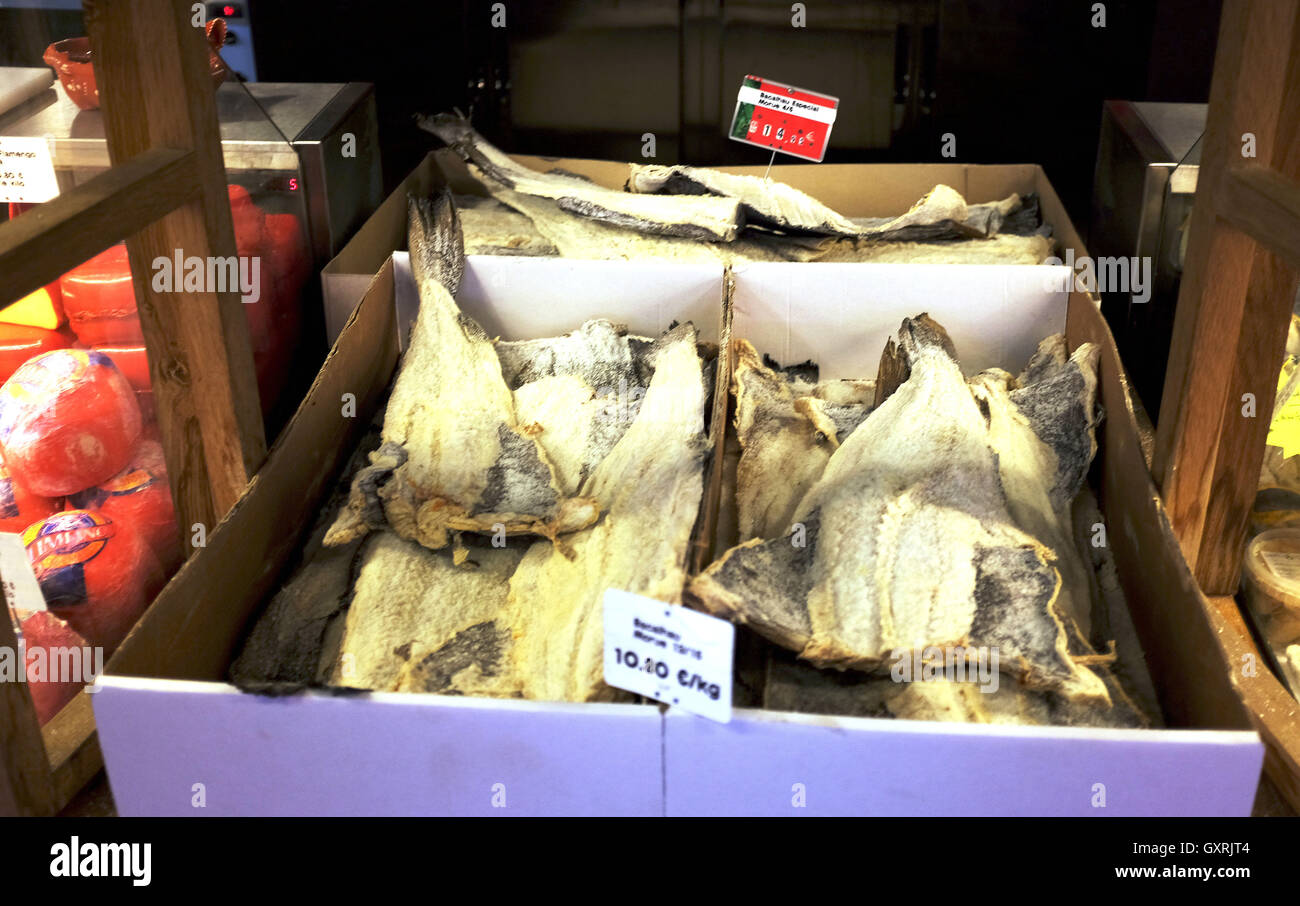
<point>669,653</point>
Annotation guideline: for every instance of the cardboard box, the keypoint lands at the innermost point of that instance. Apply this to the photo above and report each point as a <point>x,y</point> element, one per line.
<point>855,190</point>
<point>771,763</point>
<point>169,723</point>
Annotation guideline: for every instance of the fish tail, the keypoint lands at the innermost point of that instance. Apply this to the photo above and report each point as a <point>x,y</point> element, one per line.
<point>436,241</point>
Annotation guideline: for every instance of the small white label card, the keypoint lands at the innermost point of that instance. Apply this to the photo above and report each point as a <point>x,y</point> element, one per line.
<point>26,169</point>
<point>669,653</point>
<point>21,590</point>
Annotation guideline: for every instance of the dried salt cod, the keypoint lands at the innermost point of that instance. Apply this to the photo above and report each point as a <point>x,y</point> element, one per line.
<point>788,428</point>
<point>906,541</point>
<point>1000,249</point>
<point>795,686</point>
<point>1042,426</point>
<point>649,487</point>
<point>700,217</point>
<point>580,392</point>
<point>492,228</point>
<point>419,622</point>
<point>942,213</point>
<point>762,201</point>
<point>586,238</point>
<point>455,458</point>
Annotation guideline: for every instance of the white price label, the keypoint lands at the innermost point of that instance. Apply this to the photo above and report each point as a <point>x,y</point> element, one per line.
<point>669,653</point>
<point>26,169</point>
<point>21,590</point>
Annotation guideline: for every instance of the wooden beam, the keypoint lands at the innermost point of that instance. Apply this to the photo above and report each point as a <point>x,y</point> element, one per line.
<point>1265,206</point>
<point>1235,300</point>
<point>26,785</point>
<point>72,749</point>
<point>151,63</point>
<point>1274,712</point>
<point>55,237</point>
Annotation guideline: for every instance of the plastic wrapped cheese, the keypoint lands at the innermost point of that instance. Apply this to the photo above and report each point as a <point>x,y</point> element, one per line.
<point>47,641</point>
<point>99,299</point>
<point>140,496</point>
<point>97,574</point>
<point>19,507</point>
<point>68,420</point>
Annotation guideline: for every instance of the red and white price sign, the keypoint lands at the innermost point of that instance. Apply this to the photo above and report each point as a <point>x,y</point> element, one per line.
<point>783,118</point>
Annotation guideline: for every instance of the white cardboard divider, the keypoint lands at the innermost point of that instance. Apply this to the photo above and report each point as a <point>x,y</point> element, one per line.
<point>552,296</point>
<point>995,314</point>
<point>376,754</point>
<point>767,763</point>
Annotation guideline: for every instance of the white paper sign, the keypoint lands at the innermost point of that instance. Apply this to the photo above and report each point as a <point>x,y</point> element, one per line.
<point>669,653</point>
<point>26,169</point>
<point>21,590</point>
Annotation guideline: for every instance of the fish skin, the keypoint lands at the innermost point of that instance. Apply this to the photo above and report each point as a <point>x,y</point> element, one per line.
<point>792,685</point>
<point>493,228</point>
<point>777,437</point>
<point>1044,428</point>
<point>454,458</point>
<point>706,218</point>
<point>580,392</point>
<point>649,487</point>
<point>763,202</point>
<point>914,544</point>
<point>420,622</point>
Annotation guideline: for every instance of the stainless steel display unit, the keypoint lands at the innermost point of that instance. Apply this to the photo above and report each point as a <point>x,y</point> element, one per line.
<point>309,148</point>
<point>1147,164</point>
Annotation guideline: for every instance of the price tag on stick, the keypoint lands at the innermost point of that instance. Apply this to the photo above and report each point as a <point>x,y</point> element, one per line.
<point>784,118</point>
<point>669,653</point>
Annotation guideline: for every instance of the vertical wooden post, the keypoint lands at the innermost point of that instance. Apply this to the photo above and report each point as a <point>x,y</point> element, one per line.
<point>151,66</point>
<point>26,781</point>
<point>1235,301</point>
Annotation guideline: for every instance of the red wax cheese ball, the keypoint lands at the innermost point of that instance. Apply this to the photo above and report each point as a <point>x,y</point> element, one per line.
<point>140,497</point>
<point>18,343</point>
<point>132,361</point>
<point>47,654</point>
<point>99,300</point>
<point>97,574</point>
<point>248,220</point>
<point>68,420</point>
<point>19,507</point>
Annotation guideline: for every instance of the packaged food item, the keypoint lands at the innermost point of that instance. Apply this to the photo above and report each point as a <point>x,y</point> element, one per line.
<point>19,507</point>
<point>18,343</point>
<point>140,496</point>
<point>42,308</point>
<point>97,574</point>
<point>1272,584</point>
<point>68,420</point>
<point>99,300</point>
<point>46,656</point>
<point>132,361</point>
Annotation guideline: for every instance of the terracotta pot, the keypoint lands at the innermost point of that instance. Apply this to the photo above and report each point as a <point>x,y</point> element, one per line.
<point>71,60</point>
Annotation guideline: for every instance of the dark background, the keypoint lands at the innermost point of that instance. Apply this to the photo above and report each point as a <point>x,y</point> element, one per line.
<point>1013,80</point>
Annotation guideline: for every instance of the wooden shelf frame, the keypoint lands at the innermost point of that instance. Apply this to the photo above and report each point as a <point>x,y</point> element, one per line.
<point>1230,330</point>
<point>165,192</point>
